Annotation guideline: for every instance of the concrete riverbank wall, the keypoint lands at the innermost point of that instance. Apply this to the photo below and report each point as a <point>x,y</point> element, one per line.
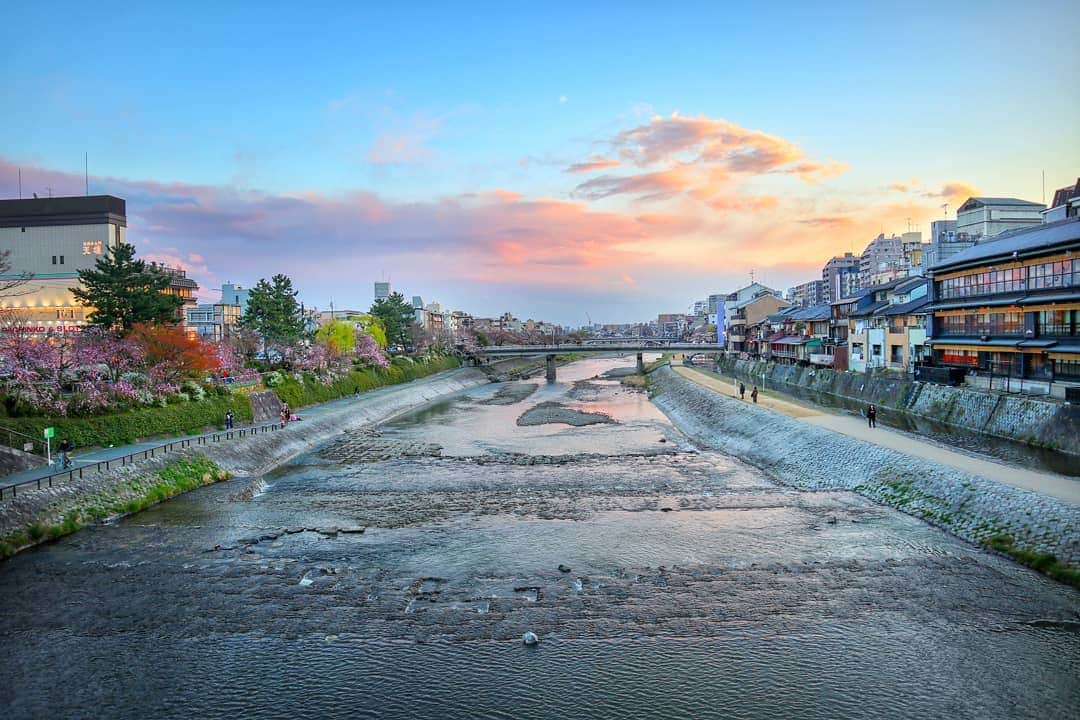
<point>1035,421</point>
<point>247,456</point>
<point>812,458</point>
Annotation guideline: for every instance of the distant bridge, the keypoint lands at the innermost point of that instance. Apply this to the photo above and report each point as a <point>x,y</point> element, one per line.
<point>594,347</point>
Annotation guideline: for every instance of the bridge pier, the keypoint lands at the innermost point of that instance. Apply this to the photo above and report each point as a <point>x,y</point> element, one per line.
<point>640,364</point>
<point>551,368</point>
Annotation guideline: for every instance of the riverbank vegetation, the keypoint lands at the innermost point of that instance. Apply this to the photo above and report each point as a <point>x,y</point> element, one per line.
<point>124,498</point>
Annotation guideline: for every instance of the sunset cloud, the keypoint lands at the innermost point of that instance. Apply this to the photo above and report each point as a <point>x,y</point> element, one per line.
<point>954,192</point>
<point>593,164</point>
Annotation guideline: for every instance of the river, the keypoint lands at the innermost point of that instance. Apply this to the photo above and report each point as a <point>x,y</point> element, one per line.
<point>663,581</point>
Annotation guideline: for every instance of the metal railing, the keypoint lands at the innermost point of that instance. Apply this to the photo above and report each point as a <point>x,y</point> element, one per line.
<point>34,442</point>
<point>73,473</point>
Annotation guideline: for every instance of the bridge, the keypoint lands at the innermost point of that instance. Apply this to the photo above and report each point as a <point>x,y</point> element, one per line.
<point>594,347</point>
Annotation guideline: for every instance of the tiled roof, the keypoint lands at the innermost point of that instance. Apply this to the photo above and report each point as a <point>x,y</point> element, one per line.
<point>1023,241</point>
<point>908,307</point>
<point>870,309</point>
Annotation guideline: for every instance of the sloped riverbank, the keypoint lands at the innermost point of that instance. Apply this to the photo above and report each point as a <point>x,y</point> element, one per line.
<point>39,515</point>
<point>1037,530</point>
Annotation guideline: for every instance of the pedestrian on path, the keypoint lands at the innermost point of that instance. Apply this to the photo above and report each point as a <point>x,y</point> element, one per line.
<point>871,416</point>
<point>229,417</point>
<point>66,446</point>
<point>753,395</point>
<point>742,391</point>
<point>284,417</point>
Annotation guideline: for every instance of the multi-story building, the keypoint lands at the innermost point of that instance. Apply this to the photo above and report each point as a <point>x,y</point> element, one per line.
<point>1011,306</point>
<point>885,256</point>
<point>890,331</point>
<point>670,325</point>
<point>49,240</point>
<point>985,217</point>
<point>382,290</point>
<point>1066,204</point>
<point>840,277</point>
<point>749,313</point>
<point>943,244</point>
<point>807,294</point>
<point>214,321</point>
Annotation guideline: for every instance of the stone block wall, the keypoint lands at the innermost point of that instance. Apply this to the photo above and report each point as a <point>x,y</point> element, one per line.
<point>1035,421</point>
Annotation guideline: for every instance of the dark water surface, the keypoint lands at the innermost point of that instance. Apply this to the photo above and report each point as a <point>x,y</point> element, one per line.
<point>695,587</point>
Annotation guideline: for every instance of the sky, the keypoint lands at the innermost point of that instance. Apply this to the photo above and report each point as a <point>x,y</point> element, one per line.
<point>560,161</point>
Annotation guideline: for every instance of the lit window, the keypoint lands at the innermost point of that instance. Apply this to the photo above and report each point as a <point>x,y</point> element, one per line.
<point>91,247</point>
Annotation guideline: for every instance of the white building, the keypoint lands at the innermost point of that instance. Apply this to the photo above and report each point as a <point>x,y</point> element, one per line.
<point>51,239</point>
<point>984,217</point>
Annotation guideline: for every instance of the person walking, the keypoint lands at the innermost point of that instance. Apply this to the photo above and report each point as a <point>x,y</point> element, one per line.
<point>66,446</point>
<point>284,417</point>
<point>753,395</point>
<point>229,417</point>
<point>871,416</point>
<point>742,391</point>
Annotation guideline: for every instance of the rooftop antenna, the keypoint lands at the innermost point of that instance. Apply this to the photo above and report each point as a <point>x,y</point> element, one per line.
<point>20,183</point>
<point>1044,186</point>
<point>751,276</point>
<point>49,190</point>
<point>945,207</point>
<point>86,171</point>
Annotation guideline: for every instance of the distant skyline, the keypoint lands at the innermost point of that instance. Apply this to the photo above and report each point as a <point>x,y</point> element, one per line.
<point>619,159</point>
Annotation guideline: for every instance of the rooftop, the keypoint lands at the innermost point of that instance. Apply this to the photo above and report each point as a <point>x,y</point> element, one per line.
<point>78,210</point>
<point>1037,240</point>
<point>974,202</point>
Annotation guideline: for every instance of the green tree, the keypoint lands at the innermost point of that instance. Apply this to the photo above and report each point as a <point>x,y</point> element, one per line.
<point>339,337</point>
<point>396,317</point>
<point>373,327</point>
<point>124,291</point>
<point>273,312</point>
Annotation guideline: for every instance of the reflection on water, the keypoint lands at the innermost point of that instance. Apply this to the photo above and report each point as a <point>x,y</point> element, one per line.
<point>663,581</point>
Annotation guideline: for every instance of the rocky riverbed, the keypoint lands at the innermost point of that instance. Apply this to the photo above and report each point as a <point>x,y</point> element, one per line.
<point>662,577</point>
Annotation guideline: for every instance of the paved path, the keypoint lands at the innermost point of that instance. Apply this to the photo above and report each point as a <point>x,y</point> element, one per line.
<point>1058,486</point>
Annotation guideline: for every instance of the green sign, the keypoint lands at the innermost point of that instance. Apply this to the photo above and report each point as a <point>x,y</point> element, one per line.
<point>50,433</point>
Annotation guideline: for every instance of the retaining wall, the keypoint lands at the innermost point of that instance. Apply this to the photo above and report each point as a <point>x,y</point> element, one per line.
<point>814,458</point>
<point>1036,421</point>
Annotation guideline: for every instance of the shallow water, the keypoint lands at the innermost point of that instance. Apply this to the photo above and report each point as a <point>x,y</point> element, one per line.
<point>694,586</point>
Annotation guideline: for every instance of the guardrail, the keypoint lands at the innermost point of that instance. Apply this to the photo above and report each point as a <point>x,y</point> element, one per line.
<point>11,491</point>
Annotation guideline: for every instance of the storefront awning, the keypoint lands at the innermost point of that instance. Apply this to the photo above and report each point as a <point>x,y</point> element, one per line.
<point>1037,343</point>
<point>988,348</point>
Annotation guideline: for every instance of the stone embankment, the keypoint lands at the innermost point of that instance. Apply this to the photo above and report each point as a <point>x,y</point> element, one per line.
<point>246,456</point>
<point>1026,525</point>
<point>1035,421</point>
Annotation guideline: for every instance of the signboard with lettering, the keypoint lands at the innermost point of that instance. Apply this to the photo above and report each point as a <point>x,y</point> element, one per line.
<point>50,433</point>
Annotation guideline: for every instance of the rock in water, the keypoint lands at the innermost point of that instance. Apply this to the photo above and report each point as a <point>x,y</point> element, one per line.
<point>530,638</point>
<point>563,568</point>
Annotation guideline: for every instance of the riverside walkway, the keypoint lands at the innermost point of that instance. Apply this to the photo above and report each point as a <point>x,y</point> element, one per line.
<point>1057,486</point>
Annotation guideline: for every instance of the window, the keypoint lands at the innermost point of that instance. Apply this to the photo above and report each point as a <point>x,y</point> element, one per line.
<point>61,259</point>
<point>1060,323</point>
<point>896,353</point>
<point>960,357</point>
<point>53,259</point>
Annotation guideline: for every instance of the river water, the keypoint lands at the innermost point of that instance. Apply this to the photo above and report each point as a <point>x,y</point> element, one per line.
<point>691,586</point>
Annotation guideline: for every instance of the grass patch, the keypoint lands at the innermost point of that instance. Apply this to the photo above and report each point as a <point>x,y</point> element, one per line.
<point>1046,563</point>
<point>177,477</point>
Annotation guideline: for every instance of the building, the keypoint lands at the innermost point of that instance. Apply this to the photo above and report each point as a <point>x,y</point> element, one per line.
<point>807,294</point>
<point>840,277</point>
<point>944,243</point>
<point>986,217</point>
<point>746,314</point>
<point>234,295</point>
<point>1066,204</point>
<point>382,290</point>
<point>51,239</point>
<point>889,331</point>
<point>215,321</point>
<point>181,286</point>
<point>885,258</point>
<point>1011,307</point>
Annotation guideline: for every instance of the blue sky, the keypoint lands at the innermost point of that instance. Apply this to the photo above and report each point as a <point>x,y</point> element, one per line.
<point>418,105</point>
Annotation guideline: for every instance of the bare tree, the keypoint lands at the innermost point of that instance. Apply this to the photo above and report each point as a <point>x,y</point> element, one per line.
<point>12,286</point>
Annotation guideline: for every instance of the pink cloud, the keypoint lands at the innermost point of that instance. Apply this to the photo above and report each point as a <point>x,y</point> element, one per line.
<point>954,192</point>
<point>593,164</point>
